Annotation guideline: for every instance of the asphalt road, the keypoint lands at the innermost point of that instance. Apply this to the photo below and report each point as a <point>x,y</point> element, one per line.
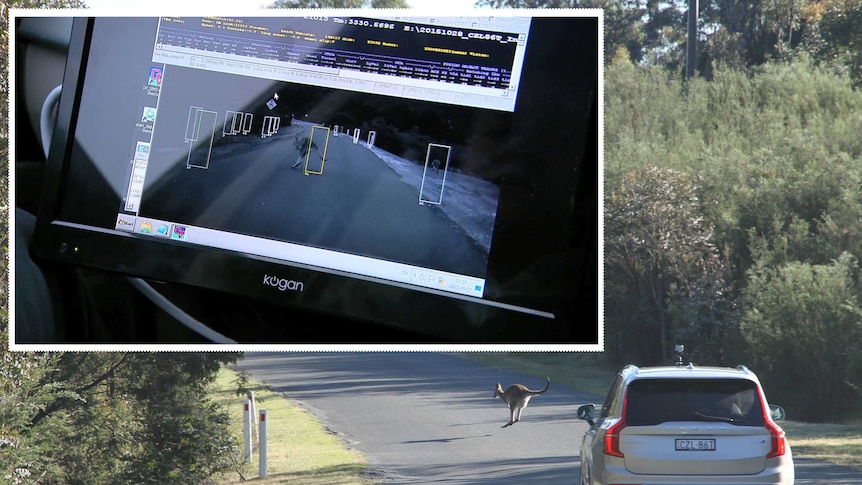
<point>355,204</point>
<point>430,418</point>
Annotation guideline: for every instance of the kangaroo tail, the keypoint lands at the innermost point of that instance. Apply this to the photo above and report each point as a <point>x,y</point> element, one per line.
<point>547,386</point>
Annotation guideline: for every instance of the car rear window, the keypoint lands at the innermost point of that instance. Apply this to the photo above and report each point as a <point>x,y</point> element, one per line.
<point>656,401</point>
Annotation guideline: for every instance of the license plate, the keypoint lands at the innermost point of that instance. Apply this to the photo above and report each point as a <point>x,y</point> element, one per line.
<point>695,445</point>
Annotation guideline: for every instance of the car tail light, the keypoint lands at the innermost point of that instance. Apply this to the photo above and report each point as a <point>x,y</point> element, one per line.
<point>612,435</point>
<point>779,441</point>
<point>776,434</point>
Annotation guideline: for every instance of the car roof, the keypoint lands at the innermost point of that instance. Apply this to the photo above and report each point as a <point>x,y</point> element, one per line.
<point>688,372</point>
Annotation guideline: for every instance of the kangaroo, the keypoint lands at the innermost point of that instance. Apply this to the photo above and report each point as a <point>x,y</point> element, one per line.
<point>516,398</point>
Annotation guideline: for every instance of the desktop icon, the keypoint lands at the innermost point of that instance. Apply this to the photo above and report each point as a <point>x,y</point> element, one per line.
<point>155,76</point>
<point>179,232</point>
<point>149,115</point>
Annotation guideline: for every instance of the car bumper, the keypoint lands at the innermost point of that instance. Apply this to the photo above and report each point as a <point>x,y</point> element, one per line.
<point>778,471</point>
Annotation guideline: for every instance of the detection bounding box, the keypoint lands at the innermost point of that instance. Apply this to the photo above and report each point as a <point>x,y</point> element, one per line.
<point>200,144</point>
<point>434,175</point>
<point>315,156</point>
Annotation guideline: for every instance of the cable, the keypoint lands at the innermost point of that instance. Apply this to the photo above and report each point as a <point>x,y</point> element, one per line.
<point>47,120</point>
<point>178,313</point>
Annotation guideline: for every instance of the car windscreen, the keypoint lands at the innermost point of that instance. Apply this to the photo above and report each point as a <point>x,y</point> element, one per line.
<point>655,401</point>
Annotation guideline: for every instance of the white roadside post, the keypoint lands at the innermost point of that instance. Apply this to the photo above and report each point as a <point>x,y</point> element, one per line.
<point>246,429</point>
<point>262,444</point>
<point>251,417</point>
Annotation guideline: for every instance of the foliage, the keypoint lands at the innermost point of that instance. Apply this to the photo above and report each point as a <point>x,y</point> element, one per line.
<point>835,37</point>
<point>658,248</point>
<point>103,418</point>
<point>777,158</point>
<point>745,34</point>
<point>24,446</point>
<point>803,323</point>
<point>783,141</point>
<point>742,28</point>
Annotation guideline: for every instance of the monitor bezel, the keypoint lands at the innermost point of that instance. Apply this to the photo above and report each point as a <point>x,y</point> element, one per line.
<point>461,321</point>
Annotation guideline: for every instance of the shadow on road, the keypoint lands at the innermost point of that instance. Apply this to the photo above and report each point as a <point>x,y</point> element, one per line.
<point>508,471</point>
<point>444,440</point>
<point>814,472</point>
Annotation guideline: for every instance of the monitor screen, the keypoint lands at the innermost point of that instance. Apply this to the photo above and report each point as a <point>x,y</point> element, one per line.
<point>430,173</point>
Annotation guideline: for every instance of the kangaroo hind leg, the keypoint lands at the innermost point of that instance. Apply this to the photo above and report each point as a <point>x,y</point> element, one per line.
<point>511,418</point>
<point>518,414</point>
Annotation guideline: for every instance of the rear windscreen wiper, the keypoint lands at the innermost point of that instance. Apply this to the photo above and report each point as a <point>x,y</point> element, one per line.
<point>707,417</point>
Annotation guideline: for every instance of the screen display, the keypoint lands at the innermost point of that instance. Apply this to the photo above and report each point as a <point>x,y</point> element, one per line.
<point>400,163</point>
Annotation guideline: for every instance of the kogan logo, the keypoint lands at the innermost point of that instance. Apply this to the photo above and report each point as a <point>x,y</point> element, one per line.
<point>283,283</point>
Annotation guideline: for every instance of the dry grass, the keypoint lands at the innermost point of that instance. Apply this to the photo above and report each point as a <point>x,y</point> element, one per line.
<point>840,444</point>
<point>299,449</point>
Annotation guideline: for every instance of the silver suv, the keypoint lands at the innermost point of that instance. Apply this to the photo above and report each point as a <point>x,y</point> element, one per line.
<point>685,424</point>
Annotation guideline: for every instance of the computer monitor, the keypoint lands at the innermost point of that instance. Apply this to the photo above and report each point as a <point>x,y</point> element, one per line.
<point>436,174</point>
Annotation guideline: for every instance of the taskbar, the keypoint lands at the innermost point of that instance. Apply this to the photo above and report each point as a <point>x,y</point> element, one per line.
<point>296,253</point>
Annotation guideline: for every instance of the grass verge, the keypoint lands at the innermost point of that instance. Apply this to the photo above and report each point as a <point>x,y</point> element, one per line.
<point>840,444</point>
<point>299,449</point>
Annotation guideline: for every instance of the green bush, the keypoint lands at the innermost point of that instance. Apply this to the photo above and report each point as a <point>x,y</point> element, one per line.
<point>778,156</point>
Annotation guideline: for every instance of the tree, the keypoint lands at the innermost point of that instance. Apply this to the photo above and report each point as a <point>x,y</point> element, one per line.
<point>803,323</point>
<point>103,418</point>
<point>740,24</point>
<point>658,249</point>
<point>25,447</point>
<point>743,34</point>
<point>181,436</point>
<point>624,30</point>
<point>785,19</point>
<point>834,36</point>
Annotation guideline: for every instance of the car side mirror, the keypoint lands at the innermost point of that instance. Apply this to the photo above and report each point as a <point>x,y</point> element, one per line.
<point>586,412</point>
<point>777,412</point>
